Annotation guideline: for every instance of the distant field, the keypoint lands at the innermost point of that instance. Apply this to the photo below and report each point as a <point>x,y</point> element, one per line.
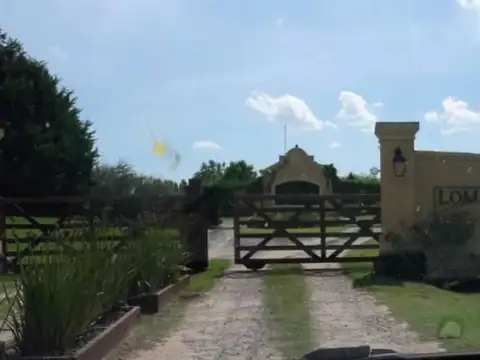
<point>16,237</point>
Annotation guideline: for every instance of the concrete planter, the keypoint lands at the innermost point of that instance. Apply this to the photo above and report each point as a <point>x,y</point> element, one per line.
<point>96,348</point>
<point>153,302</point>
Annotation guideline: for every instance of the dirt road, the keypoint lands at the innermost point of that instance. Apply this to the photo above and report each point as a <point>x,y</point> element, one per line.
<point>344,316</point>
<point>227,323</point>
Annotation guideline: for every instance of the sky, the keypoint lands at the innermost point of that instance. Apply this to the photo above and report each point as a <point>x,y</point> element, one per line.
<point>218,79</point>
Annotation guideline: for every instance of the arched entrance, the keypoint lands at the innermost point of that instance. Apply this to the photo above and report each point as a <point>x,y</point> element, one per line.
<point>295,188</point>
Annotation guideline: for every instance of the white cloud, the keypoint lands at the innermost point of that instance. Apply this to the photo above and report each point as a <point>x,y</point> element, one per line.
<point>358,111</point>
<point>335,144</point>
<point>431,116</point>
<point>470,5</point>
<point>456,116</point>
<point>288,109</point>
<point>205,144</point>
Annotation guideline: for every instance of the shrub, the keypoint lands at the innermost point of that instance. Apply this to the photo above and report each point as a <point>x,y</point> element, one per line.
<point>405,265</point>
<point>431,243</point>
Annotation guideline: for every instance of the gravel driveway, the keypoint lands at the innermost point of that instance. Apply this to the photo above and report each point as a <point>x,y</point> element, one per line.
<point>345,316</point>
<point>227,323</point>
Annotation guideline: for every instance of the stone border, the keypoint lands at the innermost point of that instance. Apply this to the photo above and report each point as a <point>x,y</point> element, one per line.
<point>96,348</point>
<point>152,303</point>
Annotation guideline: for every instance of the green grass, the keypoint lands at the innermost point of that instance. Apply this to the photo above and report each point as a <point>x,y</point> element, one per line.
<point>15,236</point>
<point>203,282</point>
<point>425,308</point>
<point>154,328</point>
<point>307,230</point>
<point>286,302</point>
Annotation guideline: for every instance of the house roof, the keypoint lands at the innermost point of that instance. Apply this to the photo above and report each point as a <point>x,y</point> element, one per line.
<point>295,150</point>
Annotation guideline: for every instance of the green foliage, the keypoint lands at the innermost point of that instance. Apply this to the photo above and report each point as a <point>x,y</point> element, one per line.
<point>47,149</point>
<point>59,298</point>
<point>438,230</point>
<point>222,181</point>
<point>234,174</point>
<point>122,180</point>
<point>159,254</point>
<point>431,243</point>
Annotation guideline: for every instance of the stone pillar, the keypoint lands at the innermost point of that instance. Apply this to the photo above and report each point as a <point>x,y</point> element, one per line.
<point>397,193</point>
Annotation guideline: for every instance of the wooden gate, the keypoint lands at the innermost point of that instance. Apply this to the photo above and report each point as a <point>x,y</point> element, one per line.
<point>323,227</point>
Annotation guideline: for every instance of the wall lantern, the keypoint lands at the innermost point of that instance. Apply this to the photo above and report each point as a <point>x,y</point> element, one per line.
<point>399,163</point>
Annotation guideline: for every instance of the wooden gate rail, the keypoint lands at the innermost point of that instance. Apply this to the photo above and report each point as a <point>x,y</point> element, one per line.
<point>262,206</point>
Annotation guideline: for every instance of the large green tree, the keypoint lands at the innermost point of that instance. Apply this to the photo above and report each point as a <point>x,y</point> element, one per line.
<point>47,149</point>
<point>220,173</point>
<point>211,172</point>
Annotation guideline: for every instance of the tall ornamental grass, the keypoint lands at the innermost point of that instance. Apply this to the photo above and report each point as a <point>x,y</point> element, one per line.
<point>160,256</point>
<point>57,298</point>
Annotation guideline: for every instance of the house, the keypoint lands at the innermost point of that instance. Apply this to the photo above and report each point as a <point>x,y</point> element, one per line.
<point>296,172</point>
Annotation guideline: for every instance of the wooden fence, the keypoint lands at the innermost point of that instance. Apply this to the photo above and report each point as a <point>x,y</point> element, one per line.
<point>30,226</point>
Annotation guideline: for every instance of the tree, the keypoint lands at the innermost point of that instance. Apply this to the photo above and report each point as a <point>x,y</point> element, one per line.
<point>122,180</point>
<point>235,173</point>
<point>47,150</point>
<point>239,172</point>
<point>114,181</point>
<point>210,172</point>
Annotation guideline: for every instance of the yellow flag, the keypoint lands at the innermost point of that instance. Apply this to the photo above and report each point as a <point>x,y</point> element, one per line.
<point>158,148</point>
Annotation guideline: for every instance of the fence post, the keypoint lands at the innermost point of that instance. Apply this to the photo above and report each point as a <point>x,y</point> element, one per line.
<point>196,237</point>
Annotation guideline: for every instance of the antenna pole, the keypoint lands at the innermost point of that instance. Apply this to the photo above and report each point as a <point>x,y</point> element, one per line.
<point>285,139</point>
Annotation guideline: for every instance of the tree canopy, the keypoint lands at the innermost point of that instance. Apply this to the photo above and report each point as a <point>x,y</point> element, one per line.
<point>233,173</point>
<point>122,180</point>
<point>47,149</point>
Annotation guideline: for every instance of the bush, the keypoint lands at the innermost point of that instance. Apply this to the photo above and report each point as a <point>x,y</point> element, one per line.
<point>431,246</point>
<point>405,265</point>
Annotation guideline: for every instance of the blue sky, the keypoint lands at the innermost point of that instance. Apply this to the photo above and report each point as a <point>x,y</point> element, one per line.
<point>219,79</point>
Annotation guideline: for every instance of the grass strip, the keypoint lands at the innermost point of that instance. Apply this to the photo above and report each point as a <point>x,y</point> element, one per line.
<point>287,306</point>
<point>156,327</point>
<point>424,307</point>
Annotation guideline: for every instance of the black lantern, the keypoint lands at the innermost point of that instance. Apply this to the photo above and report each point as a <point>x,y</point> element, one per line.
<point>399,163</point>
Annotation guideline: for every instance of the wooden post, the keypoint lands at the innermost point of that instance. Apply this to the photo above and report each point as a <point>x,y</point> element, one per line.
<point>323,228</point>
<point>196,237</point>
